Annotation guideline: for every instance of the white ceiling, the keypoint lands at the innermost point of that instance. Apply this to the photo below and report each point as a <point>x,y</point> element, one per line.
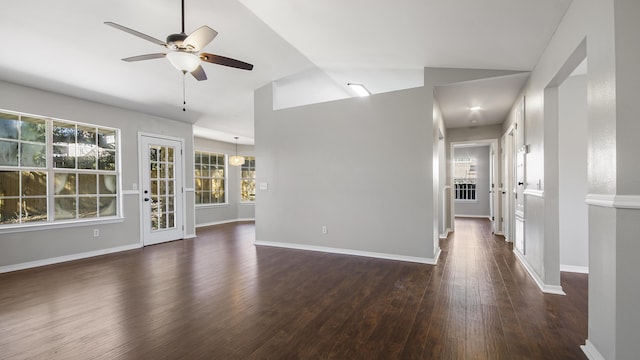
<point>63,46</point>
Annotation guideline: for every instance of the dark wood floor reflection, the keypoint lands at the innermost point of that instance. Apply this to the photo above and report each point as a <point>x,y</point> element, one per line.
<point>220,297</point>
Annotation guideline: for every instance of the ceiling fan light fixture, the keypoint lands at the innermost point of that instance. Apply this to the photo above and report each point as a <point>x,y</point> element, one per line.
<point>184,61</point>
<point>359,89</point>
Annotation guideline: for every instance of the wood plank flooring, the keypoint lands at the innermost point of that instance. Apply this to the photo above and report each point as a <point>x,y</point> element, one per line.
<point>220,297</point>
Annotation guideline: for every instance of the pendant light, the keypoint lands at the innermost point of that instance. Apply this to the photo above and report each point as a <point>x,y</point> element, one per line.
<point>236,160</point>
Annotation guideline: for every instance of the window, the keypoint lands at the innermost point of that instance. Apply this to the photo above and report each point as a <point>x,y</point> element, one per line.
<point>210,177</point>
<point>248,181</point>
<point>53,170</point>
<point>464,179</point>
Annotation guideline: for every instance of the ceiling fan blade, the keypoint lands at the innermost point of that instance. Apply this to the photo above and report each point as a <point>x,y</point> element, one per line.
<point>199,73</point>
<point>145,57</point>
<point>225,61</point>
<point>200,38</point>
<point>136,33</point>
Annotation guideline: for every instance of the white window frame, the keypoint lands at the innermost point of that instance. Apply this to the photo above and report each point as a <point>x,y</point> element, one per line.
<point>458,180</point>
<point>226,179</point>
<point>49,169</point>
<point>246,202</point>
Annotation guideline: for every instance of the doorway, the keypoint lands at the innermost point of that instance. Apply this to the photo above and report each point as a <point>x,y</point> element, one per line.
<point>161,177</point>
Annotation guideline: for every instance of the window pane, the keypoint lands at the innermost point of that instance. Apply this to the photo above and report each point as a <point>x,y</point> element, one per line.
<point>220,159</point>
<point>9,210</point>
<point>171,222</point>
<point>162,153</point>
<point>8,126</point>
<point>87,184</point>
<point>35,209</point>
<point>171,203</point>
<point>34,183</point>
<point>170,172</point>
<point>87,155</point>
<point>32,129</point>
<point>153,154</point>
<point>171,150</point>
<point>205,172</point>
<point>86,135</point>
<point>65,208</point>
<point>33,155</point>
<point>64,133</point>
<point>198,197</point>
<point>107,184</point>
<point>64,157</point>
<point>8,153</point>
<point>107,139</point>
<point>88,207</point>
<point>10,181</point>
<point>108,206</point>
<point>65,184</point>
<point>106,160</point>
<point>198,158</point>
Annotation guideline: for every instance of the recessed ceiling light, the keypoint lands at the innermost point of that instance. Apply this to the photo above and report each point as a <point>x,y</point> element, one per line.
<point>475,108</point>
<point>359,89</point>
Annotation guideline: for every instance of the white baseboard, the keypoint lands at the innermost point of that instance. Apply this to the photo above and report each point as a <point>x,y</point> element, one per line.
<point>223,222</point>
<point>591,352</point>
<point>190,236</point>
<point>446,234</point>
<point>548,289</point>
<point>414,259</point>
<point>575,269</point>
<point>61,259</point>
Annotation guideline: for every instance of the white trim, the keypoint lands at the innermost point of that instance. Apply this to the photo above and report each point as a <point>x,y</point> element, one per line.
<point>224,222</point>
<point>189,189</point>
<point>614,201</point>
<point>60,225</point>
<point>474,216</point>
<point>130,192</point>
<point>534,192</point>
<point>377,255</point>
<point>65,258</point>
<point>574,269</point>
<point>549,289</point>
<point>446,234</point>
<point>217,205</point>
<point>190,236</point>
<point>604,200</point>
<point>244,203</point>
<point>590,351</point>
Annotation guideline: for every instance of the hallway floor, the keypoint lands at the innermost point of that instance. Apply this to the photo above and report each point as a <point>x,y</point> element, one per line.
<point>220,297</point>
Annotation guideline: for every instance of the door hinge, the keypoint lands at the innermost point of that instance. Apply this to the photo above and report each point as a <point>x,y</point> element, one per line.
<point>493,218</point>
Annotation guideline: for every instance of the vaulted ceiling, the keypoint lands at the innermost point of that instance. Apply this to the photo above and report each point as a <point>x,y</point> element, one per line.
<point>63,46</point>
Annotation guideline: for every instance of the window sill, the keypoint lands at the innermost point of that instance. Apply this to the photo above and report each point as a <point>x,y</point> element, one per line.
<point>466,201</point>
<point>247,203</point>
<point>204,206</point>
<point>8,229</point>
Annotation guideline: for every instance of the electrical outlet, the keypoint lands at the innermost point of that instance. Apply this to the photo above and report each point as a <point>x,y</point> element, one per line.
<point>324,229</point>
<point>96,232</point>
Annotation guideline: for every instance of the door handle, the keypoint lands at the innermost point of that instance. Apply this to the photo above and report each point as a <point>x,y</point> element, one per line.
<point>146,199</point>
<point>520,183</point>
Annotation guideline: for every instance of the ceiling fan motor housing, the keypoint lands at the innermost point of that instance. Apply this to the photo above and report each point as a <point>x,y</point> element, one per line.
<point>175,41</point>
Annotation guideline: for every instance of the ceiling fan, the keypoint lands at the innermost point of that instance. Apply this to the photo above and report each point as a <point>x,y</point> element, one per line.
<point>184,52</point>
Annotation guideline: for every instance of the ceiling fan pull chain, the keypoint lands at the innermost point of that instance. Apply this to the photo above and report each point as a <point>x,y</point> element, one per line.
<point>184,91</point>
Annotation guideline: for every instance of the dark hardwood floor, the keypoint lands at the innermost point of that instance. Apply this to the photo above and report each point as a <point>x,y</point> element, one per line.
<point>220,297</point>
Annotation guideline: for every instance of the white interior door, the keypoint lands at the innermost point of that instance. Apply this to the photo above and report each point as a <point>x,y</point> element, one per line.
<point>161,186</point>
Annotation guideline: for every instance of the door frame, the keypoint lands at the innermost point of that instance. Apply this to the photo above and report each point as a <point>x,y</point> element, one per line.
<point>493,176</point>
<point>141,212</point>
<point>508,180</point>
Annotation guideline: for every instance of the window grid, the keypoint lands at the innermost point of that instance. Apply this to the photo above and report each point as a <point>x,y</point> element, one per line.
<point>464,180</point>
<point>41,183</point>
<point>248,180</point>
<point>210,178</point>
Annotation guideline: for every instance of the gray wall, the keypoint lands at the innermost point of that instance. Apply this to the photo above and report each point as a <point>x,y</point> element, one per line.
<point>40,245</point>
<point>573,185</point>
<point>363,167</point>
<point>481,206</point>
<point>610,28</point>
<point>233,210</point>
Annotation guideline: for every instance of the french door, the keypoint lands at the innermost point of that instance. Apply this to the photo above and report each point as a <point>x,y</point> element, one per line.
<point>162,191</point>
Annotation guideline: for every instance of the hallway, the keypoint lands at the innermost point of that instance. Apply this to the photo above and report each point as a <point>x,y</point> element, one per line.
<point>220,297</point>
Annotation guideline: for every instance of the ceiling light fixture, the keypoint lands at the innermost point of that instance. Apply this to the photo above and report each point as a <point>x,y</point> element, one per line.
<point>183,61</point>
<point>359,89</point>
<point>236,160</point>
<point>475,108</point>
